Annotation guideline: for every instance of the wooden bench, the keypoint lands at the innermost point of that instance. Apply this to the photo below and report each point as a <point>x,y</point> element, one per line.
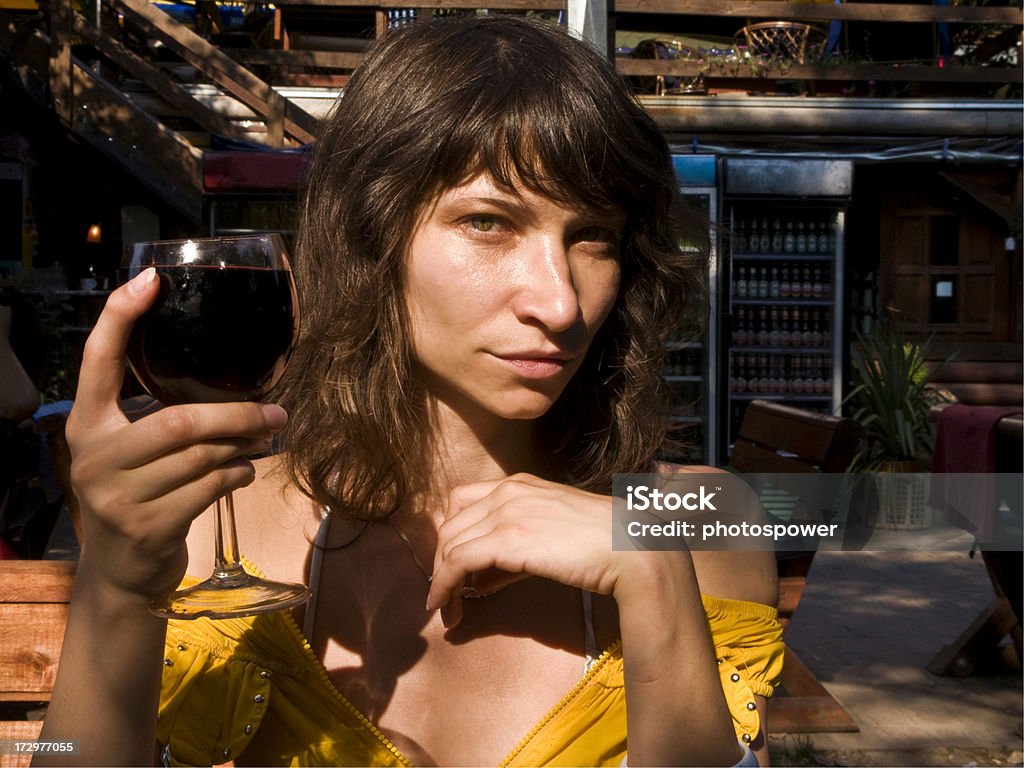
<point>34,596</point>
<point>996,382</point>
<point>777,438</point>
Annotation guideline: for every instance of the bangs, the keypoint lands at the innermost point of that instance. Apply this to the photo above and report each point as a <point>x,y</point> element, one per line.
<point>530,119</point>
<point>540,156</point>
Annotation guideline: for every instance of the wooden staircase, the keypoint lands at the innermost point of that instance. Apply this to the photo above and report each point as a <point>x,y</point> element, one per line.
<point>127,87</point>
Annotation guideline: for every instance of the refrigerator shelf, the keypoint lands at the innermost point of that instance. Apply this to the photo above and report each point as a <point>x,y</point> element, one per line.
<point>783,256</point>
<point>787,396</point>
<point>783,301</point>
<point>673,378</point>
<point>673,346</point>
<point>822,351</point>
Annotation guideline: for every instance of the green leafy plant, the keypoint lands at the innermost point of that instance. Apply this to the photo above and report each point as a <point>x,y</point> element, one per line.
<point>891,398</point>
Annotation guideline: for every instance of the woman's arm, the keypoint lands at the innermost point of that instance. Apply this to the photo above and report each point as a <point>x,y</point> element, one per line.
<point>674,701</point>
<point>139,486</point>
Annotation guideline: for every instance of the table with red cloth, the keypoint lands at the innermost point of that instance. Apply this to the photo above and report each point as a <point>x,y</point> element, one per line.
<point>981,445</point>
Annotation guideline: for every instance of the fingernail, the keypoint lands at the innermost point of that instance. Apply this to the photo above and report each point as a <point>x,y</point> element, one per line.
<point>275,415</point>
<point>141,281</point>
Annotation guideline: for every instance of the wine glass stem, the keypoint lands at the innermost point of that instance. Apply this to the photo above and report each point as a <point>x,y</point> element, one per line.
<point>227,565</point>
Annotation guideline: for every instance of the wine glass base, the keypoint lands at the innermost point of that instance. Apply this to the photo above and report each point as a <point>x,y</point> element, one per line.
<point>230,598</point>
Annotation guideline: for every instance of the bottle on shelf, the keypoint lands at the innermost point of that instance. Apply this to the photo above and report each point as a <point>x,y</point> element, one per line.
<point>766,238</point>
<point>806,336</point>
<point>789,239</point>
<point>816,328</point>
<point>763,379</point>
<point>801,238</point>
<point>812,238</point>
<point>739,331</point>
<point>754,239</point>
<point>740,237</point>
<point>819,286</point>
<point>741,282</point>
<point>807,286</point>
<point>773,283</point>
<point>776,236</point>
<point>785,331</point>
<point>762,327</point>
<point>762,284</point>
<point>773,327</point>
<point>784,287</point>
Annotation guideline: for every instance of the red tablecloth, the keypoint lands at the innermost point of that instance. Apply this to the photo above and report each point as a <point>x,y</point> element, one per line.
<point>965,444</point>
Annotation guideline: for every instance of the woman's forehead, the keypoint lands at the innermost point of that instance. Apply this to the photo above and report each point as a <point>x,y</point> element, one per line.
<point>483,185</point>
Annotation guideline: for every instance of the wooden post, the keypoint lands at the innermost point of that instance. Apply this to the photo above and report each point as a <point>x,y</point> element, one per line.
<point>60,59</point>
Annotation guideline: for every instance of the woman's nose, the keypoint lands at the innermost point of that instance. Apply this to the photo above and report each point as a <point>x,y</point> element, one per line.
<point>548,294</point>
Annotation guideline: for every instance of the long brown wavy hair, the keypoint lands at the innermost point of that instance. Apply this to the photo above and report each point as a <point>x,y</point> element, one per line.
<point>430,107</point>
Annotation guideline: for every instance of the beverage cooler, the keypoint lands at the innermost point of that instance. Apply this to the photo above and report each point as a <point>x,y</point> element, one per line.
<point>691,361</point>
<point>779,333</point>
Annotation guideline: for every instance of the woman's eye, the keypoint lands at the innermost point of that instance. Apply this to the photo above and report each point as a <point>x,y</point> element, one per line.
<point>482,223</point>
<point>595,234</point>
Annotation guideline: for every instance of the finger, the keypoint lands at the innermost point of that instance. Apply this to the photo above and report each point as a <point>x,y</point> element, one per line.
<point>171,429</point>
<point>99,383</point>
<point>464,496</point>
<point>153,525</point>
<point>178,468</point>
<point>474,554</point>
<point>451,613</point>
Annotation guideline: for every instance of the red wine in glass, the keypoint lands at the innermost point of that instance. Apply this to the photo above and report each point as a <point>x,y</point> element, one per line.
<point>215,334</point>
<point>220,331</point>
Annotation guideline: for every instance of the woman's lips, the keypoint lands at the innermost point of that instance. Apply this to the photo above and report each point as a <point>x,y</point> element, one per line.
<point>536,367</point>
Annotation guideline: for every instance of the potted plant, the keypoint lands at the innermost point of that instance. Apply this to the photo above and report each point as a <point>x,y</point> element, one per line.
<point>891,399</point>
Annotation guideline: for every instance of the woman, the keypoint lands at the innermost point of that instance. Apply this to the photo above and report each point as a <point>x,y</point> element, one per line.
<point>488,267</point>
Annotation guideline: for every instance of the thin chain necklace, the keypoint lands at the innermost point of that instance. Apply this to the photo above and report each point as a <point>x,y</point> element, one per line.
<point>408,545</point>
<point>468,593</point>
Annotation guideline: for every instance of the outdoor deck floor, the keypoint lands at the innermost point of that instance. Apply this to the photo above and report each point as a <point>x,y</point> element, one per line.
<point>868,624</point>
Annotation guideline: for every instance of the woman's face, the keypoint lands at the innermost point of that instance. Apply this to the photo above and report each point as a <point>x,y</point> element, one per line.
<point>505,292</point>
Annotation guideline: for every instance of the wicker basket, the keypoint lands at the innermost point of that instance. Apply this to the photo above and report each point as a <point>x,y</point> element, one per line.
<point>902,499</point>
<point>783,41</point>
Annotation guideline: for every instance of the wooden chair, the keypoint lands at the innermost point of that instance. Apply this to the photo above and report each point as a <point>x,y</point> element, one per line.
<point>34,596</point>
<point>777,438</point>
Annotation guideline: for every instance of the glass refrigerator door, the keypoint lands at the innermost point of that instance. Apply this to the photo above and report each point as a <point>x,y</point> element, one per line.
<point>690,362</point>
<point>784,306</point>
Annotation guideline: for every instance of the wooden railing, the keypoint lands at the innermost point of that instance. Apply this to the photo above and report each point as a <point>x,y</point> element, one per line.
<point>253,68</point>
<point>730,70</point>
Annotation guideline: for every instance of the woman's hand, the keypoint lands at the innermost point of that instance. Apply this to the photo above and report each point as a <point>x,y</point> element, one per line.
<point>498,532</point>
<point>141,484</point>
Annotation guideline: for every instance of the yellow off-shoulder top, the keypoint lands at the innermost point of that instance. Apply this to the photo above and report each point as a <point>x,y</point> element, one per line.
<point>251,690</point>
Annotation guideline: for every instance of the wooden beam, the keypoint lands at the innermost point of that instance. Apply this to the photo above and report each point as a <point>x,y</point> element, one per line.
<point>221,68</point>
<point>295,58</point>
<point>60,59</point>
<point>778,10</point>
<point>829,116</point>
<point>503,5</point>
<point>727,70</point>
<point>156,155</point>
<point>1001,205</point>
<point>156,80</point>
<point>754,9</point>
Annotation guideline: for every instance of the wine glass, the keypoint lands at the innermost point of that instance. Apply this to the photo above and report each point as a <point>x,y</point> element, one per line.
<point>220,331</point>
